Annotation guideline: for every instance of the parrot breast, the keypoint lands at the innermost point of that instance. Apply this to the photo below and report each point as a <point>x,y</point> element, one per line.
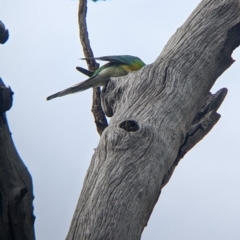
<point>106,73</point>
<point>134,66</point>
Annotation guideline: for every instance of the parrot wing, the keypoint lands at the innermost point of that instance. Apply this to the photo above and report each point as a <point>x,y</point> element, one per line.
<point>122,59</point>
<point>85,71</point>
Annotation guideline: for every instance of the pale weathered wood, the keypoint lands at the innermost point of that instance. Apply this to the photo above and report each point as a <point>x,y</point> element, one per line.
<point>158,114</point>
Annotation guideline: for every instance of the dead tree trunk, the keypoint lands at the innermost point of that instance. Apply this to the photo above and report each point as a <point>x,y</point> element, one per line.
<point>16,190</point>
<point>158,114</point>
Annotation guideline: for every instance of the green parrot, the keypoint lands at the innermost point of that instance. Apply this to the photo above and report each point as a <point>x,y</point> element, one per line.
<point>117,66</point>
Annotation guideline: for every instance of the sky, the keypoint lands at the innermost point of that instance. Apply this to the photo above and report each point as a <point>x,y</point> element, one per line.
<point>56,139</point>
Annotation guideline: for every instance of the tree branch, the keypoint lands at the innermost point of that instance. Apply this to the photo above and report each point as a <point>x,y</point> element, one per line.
<point>99,116</point>
<point>202,124</point>
<point>158,114</point>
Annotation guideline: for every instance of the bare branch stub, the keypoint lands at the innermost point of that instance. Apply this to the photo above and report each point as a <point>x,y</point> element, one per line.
<point>4,34</point>
<point>98,113</point>
<point>6,98</point>
<point>202,124</point>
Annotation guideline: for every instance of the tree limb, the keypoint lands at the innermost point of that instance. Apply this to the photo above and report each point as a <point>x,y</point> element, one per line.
<point>202,124</point>
<point>158,114</point>
<point>16,191</point>
<point>99,116</point>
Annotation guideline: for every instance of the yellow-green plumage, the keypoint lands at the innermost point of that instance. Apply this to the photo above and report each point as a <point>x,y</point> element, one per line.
<point>118,66</point>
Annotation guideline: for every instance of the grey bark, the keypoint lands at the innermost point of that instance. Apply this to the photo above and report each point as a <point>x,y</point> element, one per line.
<point>16,190</point>
<point>4,34</point>
<point>158,114</point>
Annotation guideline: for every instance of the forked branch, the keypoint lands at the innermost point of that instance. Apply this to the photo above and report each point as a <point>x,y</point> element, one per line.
<point>99,116</point>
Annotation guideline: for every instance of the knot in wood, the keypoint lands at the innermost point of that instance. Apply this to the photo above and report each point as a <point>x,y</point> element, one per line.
<point>129,125</point>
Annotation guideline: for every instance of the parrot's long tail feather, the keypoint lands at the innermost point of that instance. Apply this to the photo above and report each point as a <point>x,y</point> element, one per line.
<point>76,88</point>
<point>53,96</point>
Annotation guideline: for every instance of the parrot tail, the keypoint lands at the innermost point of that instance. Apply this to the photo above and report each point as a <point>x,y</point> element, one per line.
<point>74,89</point>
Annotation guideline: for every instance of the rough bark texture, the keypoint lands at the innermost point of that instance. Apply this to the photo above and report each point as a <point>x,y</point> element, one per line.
<point>16,191</point>
<point>4,34</point>
<point>158,114</point>
<point>99,116</point>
